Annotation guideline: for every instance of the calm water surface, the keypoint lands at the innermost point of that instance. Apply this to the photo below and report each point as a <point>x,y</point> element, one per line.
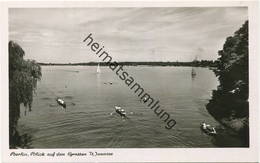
<point>87,123</point>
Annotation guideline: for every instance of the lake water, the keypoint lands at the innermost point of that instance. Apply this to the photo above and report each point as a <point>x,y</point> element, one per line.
<point>87,123</point>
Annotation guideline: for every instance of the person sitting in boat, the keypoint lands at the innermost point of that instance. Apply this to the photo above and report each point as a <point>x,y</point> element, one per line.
<point>120,111</point>
<point>213,130</point>
<point>61,102</point>
<point>208,129</point>
<point>205,126</point>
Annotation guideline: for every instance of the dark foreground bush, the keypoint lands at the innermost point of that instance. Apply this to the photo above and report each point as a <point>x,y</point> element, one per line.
<point>229,103</point>
<point>23,76</point>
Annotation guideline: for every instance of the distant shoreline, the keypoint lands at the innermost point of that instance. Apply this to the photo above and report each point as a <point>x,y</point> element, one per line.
<point>203,63</point>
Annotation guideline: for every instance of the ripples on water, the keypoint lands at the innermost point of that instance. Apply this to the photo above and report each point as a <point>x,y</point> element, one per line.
<point>89,124</point>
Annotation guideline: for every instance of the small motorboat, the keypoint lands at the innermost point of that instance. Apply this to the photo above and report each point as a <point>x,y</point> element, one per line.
<point>208,129</point>
<point>120,111</point>
<point>61,102</point>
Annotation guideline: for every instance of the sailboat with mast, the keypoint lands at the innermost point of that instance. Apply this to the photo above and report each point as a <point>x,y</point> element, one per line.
<point>193,72</point>
<point>98,69</point>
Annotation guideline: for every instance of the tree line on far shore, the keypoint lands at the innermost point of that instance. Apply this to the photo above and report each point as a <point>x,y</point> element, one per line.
<point>201,63</point>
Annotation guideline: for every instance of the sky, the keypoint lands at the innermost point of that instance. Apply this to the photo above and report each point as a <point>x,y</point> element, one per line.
<point>128,34</point>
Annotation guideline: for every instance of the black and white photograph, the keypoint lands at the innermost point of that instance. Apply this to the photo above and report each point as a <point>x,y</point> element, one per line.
<point>123,82</point>
<point>128,77</point>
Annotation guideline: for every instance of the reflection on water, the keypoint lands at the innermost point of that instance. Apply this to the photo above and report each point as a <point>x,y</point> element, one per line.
<point>90,98</point>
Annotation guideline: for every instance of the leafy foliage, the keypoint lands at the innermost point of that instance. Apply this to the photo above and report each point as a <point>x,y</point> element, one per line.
<point>23,77</point>
<point>233,62</point>
<point>230,100</point>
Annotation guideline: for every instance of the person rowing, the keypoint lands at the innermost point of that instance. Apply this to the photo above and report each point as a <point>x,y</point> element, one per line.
<point>120,111</point>
<point>208,129</point>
